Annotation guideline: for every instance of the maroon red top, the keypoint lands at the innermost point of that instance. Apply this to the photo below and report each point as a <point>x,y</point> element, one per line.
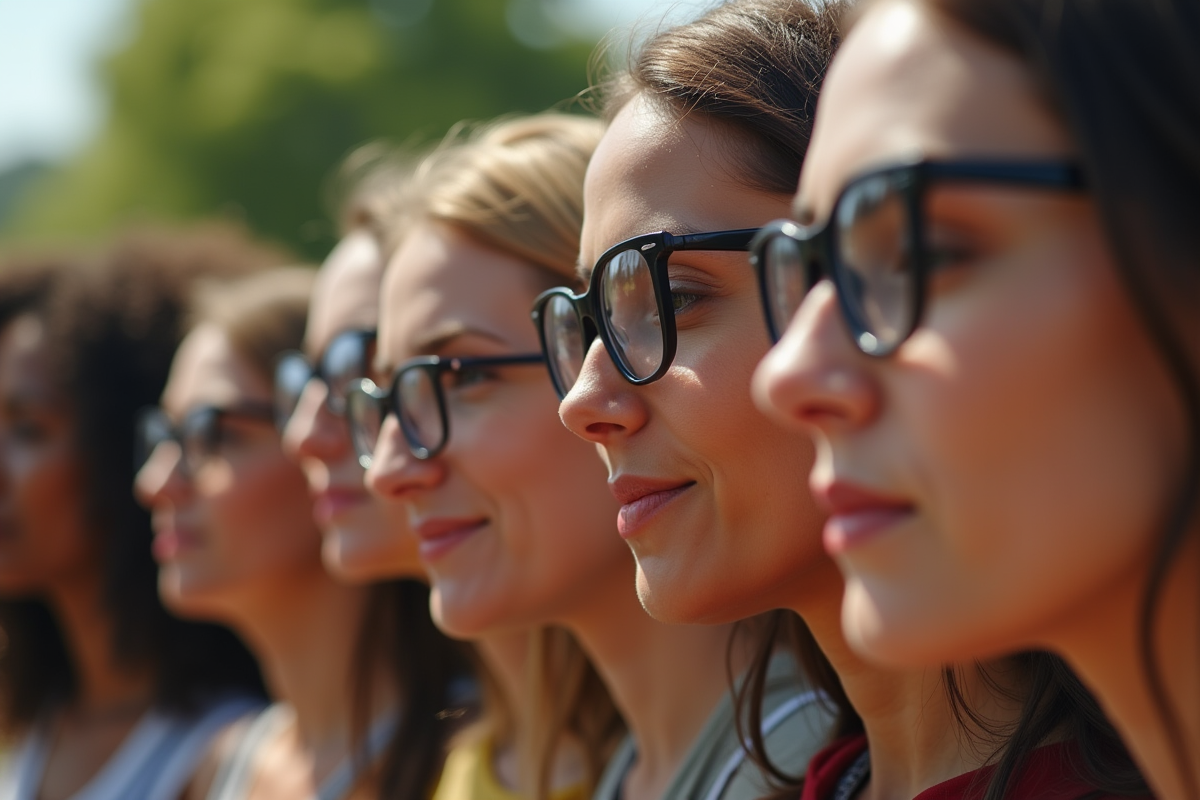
<point>1048,775</point>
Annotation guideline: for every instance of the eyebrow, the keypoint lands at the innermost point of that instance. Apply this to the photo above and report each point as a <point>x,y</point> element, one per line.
<point>438,339</point>
<point>584,271</point>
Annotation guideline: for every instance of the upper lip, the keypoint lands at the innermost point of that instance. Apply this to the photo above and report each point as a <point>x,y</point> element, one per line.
<point>840,497</point>
<point>631,488</point>
<point>436,527</point>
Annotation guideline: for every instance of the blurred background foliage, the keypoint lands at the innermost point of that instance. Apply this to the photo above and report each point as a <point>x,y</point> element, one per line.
<point>242,109</point>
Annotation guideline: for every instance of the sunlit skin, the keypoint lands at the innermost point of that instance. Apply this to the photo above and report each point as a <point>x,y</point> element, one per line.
<point>47,552</point>
<point>1028,430</point>
<point>534,538</point>
<point>236,542</point>
<point>361,541</point>
<point>697,426</point>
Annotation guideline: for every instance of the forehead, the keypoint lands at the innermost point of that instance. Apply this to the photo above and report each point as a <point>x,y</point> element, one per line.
<point>441,281</point>
<point>208,371</point>
<point>346,294</point>
<point>909,82</point>
<point>654,170</point>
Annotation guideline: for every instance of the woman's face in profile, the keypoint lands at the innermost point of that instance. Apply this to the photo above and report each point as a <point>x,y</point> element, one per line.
<point>235,524</point>
<point>715,506</point>
<point>1006,468</point>
<point>361,541</point>
<point>515,524</point>
<point>44,538</point>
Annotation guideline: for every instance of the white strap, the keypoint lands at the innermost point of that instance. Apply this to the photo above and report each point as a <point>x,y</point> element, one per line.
<point>770,723</point>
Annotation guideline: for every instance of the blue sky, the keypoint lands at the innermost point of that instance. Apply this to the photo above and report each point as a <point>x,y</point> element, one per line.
<point>50,102</point>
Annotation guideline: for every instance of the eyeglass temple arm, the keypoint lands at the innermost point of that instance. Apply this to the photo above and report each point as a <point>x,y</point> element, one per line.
<point>1054,174</point>
<point>717,240</point>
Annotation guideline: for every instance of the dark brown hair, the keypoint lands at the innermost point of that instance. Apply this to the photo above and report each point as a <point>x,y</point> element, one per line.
<point>754,67</point>
<point>112,322</point>
<point>1122,78</point>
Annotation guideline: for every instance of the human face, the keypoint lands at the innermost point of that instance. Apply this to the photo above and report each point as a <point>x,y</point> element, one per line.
<point>514,521</point>
<point>44,539</point>
<point>361,541</point>
<point>238,527</point>
<point>713,500</point>
<point>1001,471</point>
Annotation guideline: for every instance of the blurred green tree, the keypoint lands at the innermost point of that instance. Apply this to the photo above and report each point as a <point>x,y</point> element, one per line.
<point>242,108</point>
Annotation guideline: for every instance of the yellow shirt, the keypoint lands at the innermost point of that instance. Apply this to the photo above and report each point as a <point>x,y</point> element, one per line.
<point>468,775</point>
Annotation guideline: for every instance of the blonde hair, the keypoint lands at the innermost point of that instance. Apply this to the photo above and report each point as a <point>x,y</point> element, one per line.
<point>516,186</point>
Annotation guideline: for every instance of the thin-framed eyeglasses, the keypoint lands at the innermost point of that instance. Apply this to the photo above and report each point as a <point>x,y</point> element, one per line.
<point>198,435</point>
<point>346,358</point>
<point>875,247</point>
<point>628,304</point>
<point>417,396</point>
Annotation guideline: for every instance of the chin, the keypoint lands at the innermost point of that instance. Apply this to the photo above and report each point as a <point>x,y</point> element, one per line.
<point>189,596</point>
<point>692,604</point>
<point>876,631</point>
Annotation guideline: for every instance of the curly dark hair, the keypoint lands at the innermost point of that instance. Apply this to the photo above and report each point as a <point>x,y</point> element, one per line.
<point>113,321</point>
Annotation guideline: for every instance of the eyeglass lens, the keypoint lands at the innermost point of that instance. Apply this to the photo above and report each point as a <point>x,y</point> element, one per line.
<point>629,308</point>
<point>563,336</point>
<point>875,259</point>
<point>364,411</point>
<point>421,414</point>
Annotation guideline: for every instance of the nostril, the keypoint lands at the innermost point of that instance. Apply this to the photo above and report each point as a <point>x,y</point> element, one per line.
<point>603,428</point>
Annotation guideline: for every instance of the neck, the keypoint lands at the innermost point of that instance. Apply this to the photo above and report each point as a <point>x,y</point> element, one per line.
<point>87,629</point>
<point>914,737</point>
<point>665,680</point>
<point>1100,639</point>
<point>305,635</point>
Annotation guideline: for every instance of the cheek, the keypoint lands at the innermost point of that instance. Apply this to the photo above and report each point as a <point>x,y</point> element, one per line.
<point>548,489</point>
<point>258,512</point>
<point>1058,426</point>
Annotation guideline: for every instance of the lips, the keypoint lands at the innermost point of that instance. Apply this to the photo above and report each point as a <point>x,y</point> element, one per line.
<point>438,536</point>
<point>170,543</point>
<point>332,503</point>
<point>642,498</point>
<point>857,515</point>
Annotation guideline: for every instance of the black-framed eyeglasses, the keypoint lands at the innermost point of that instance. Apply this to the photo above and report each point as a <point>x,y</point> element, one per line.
<point>628,304</point>
<point>346,358</point>
<point>198,435</point>
<point>418,399</point>
<point>874,246</point>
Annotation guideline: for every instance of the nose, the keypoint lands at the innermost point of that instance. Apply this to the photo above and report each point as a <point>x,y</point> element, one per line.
<point>313,431</point>
<point>161,478</point>
<point>602,406</point>
<point>815,378</point>
<point>395,473</point>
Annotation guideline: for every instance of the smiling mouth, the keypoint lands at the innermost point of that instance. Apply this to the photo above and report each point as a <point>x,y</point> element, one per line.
<point>636,513</point>
<point>437,538</point>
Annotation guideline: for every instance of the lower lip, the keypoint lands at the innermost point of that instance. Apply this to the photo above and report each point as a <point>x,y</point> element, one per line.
<point>170,545</point>
<point>328,507</point>
<point>634,516</point>
<point>431,550</point>
<point>844,532</point>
